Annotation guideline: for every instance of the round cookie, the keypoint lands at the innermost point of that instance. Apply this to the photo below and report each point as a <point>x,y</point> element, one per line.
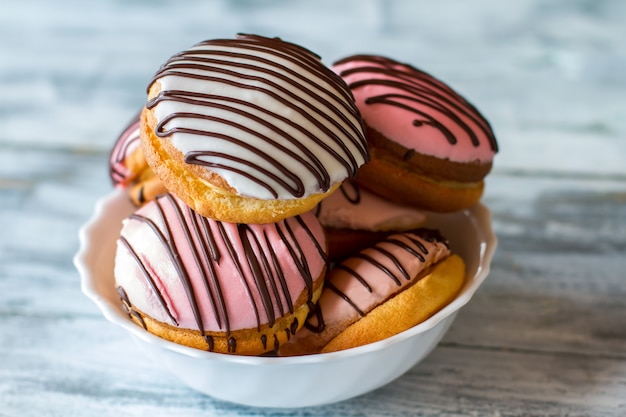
<point>388,288</point>
<point>354,218</point>
<point>430,147</point>
<point>129,170</point>
<point>251,130</point>
<point>222,287</point>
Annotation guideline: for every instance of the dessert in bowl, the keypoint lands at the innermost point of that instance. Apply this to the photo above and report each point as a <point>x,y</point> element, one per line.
<point>225,257</point>
<point>304,380</point>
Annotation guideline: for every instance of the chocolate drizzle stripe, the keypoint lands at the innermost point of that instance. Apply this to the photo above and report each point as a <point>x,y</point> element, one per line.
<point>318,245</point>
<point>261,274</point>
<point>347,299</point>
<point>309,161</point>
<point>254,262</point>
<point>355,274</point>
<point>268,67</point>
<point>205,265</point>
<point>176,258</point>
<point>280,278</point>
<point>413,237</point>
<point>193,158</point>
<point>429,235</point>
<point>408,248</point>
<point>209,238</point>
<point>379,265</point>
<point>355,190</point>
<point>350,164</point>
<point>246,63</point>
<point>128,308</point>
<point>148,278</point>
<point>315,312</point>
<point>212,257</point>
<point>297,256</point>
<point>422,88</point>
<point>394,259</point>
<point>295,54</point>
<point>432,121</point>
<point>235,259</point>
<point>119,152</point>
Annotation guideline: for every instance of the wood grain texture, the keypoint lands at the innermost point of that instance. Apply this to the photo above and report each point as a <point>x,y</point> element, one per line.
<point>544,336</point>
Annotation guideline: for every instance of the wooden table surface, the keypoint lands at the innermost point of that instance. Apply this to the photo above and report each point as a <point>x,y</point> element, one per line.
<point>544,336</point>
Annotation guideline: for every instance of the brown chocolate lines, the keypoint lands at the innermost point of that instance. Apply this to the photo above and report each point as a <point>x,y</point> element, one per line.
<point>202,244</point>
<point>350,165</point>
<point>408,248</point>
<point>176,258</point>
<point>379,265</point>
<point>347,299</point>
<point>429,98</point>
<point>315,311</point>
<point>385,99</point>
<point>165,237</point>
<point>171,68</point>
<point>192,158</point>
<point>353,273</point>
<point>430,120</point>
<point>311,163</point>
<point>300,261</point>
<point>430,235</point>
<point>141,198</point>
<point>277,45</point>
<point>233,255</point>
<point>422,84</point>
<point>128,308</point>
<point>408,154</point>
<point>356,190</point>
<point>273,69</point>
<point>207,248</point>
<point>280,277</point>
<point>295,54</point>
<point>120,150</point>
<point>321,250</point>
<point>258,264</point>
<point>212,256</point>
<point>146,274</point>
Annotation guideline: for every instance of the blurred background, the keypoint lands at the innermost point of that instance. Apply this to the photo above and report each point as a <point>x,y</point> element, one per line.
<point>550,75</point>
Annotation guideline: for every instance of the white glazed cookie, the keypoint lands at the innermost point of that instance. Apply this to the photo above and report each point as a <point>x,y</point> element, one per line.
<point>252,129</point>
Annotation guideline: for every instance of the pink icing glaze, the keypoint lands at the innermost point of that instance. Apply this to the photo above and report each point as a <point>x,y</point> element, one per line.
<point>346,297</point>
<point>127,142</point>
<point>231,298</point>
<point>356,208</point>
<point>393,97</point>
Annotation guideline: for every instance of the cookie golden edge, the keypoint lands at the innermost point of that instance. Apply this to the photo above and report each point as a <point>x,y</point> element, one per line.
<point>389,180</point>
<point>408,308</point>
<point>247,342</point>
<point>206,192</point>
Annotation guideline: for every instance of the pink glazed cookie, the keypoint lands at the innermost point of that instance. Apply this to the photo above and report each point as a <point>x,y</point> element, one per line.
<point>354,218</point>
<point>385,289</point>
<point>429,147</point>
<point>222,287</point>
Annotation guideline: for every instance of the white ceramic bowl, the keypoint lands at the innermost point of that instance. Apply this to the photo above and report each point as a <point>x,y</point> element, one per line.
<point>293,381</point>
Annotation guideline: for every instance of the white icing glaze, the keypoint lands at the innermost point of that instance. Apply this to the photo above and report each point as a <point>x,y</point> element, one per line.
<point>263,120</point>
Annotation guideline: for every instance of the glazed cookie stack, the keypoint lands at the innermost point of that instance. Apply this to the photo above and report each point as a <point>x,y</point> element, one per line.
<point>254,214</point>
<point>245,136</point>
